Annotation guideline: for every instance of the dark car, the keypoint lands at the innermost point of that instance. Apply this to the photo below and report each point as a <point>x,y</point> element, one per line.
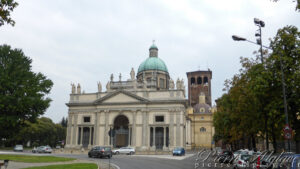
<point>178,151</point>
<point>100,151</point>
<point>226,156</point>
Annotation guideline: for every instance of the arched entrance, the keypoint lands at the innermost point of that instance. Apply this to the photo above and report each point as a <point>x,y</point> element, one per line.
<point>121,130</point>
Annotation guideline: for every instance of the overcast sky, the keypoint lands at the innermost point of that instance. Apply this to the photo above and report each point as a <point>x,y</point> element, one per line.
<point>85,41</point>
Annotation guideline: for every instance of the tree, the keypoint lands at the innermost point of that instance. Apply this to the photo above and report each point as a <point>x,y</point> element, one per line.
<point>6,7</point>
<point>256,93</point>
<point>22,92</point>
<point>297,4</point>
<point>286,45</point>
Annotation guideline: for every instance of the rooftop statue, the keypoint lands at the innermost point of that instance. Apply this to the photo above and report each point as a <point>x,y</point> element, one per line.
<point>73,88</point>
<point>112,77</point>
<point>132,74</point>
<point>120,77</point>
<point>78,89</point>
<point>108,86</point>
<point>172,85</point>
<point>99,87</point>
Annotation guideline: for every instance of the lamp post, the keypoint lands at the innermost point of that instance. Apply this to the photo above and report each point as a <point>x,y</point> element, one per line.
<point>261,24</point>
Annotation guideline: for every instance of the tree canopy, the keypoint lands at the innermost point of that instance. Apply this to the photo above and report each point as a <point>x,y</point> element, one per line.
<point>254,96</point>
<point>23,93</point>
<point>6,7</point>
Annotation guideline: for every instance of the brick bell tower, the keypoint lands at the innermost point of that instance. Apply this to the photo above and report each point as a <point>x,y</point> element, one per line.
<point>199,81</point>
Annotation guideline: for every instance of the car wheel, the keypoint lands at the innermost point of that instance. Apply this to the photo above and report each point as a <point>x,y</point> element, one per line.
<point>130,153</point>
<point>108,156</point>
<point>117,152</point>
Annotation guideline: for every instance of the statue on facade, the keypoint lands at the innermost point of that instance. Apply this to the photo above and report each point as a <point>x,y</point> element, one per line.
<point>120,77</point>
<point>178,85</point>
<point>73,88</point>
<point>112,77</point>
<point>78,89</point>
<point>108,86</point>
<point>99,87</point>
<point>182,85</point>
<point>132,74</point>
<point>172,85</point>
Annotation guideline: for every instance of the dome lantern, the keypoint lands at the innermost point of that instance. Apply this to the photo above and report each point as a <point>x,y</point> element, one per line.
<point>153,50</point>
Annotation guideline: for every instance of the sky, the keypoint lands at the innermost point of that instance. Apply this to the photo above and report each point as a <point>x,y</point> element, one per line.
<point>86,41</point>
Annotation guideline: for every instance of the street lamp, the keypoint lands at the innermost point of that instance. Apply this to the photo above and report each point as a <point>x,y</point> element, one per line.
<point>258,34</point>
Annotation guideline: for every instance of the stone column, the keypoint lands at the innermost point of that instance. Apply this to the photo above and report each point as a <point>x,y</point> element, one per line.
<point>81,136</point>
<point>129,135</point>
<point>153,141</point>
<point>90,139</point>
<point>165,138</point>
<point>171,128</point>
<point>144,130</point>
<point>178,131</point>
<point>96,125</point>
<point>75,130</point>
<point>106,139</point>
<point>134,128</point>
<point>69,130</point>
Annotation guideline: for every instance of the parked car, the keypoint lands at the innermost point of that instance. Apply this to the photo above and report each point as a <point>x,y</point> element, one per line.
<point>100,151</point>
<point>260,162</point>
<point>44,149</point>
<point>178,151</point>
<point>18,148</point>
<point>236,153</point>
<point>226,157</point>
<point>241,161</point>
<point>34,150</point>
<point>124,150</point>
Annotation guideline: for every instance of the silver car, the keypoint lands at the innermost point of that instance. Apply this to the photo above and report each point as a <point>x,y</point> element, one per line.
<point>124,150</point>
<point>241,161</point>
<point>44,149</point>
<point>18,148</point>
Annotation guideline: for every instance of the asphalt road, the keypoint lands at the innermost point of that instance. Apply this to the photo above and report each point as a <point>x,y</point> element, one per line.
<point>138,162</point>
<point>147,161</point>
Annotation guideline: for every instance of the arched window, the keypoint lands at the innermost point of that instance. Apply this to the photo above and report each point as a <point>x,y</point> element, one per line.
<point>202,129</point>
<point>199,80</point>
<point>193,81</point>
<point>205,80</point>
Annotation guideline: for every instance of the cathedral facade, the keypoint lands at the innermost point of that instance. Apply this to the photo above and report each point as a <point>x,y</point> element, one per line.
<point>147,112</point>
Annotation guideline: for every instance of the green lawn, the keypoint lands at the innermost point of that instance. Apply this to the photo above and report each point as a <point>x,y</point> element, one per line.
<point>68,166</point>
<point>33,159</point>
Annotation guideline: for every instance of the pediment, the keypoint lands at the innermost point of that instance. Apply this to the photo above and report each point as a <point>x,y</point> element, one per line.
<point>121,97</point>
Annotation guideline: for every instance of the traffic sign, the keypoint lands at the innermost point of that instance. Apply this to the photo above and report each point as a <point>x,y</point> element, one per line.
<point>287,132</point>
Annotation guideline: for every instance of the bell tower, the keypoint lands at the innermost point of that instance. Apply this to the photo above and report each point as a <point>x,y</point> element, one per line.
<point>199,82</point>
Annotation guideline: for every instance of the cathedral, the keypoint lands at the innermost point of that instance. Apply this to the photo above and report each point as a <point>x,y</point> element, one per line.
<point>149,111</point>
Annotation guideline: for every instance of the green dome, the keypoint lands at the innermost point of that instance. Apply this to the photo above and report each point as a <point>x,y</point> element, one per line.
<point>153,46</point>
<point>153,63</point>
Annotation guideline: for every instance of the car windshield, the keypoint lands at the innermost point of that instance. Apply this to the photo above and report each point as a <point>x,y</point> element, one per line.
<point>237,152</point>
<point>177,149</point>
<point>19,146</point>
<point>245,157</point>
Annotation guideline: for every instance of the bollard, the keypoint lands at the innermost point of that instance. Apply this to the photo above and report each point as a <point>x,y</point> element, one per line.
<point>6,163</point>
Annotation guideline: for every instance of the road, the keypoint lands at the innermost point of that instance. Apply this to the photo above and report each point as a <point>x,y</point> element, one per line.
<point>143,162</point>
<point>138,161</point>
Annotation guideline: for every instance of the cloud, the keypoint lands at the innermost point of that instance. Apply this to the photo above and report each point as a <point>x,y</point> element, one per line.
<point>85,41</point>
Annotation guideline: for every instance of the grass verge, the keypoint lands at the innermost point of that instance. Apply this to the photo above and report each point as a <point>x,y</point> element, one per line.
<point>68,166</point>
<point>33,159</point>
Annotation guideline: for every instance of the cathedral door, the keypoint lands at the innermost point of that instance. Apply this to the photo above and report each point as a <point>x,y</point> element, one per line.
<point>159,137</point>
<point>121,136</point>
